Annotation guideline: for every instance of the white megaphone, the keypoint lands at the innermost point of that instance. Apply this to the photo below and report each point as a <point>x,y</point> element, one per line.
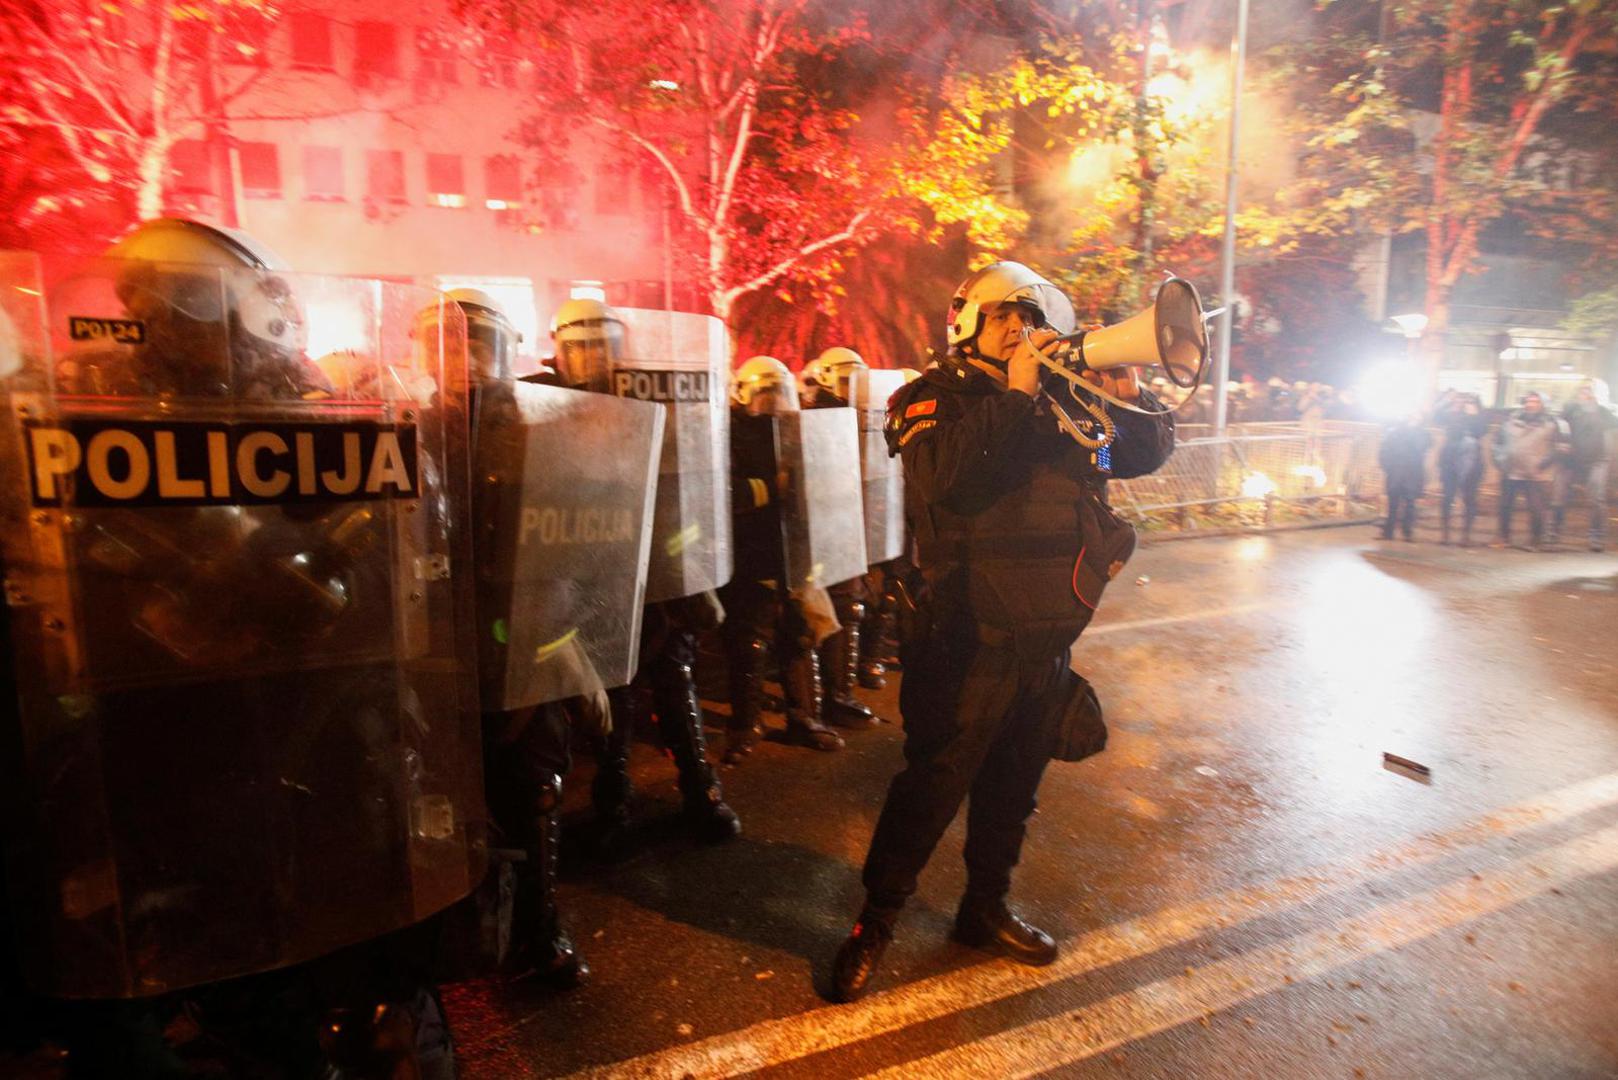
<point>1170,334</point>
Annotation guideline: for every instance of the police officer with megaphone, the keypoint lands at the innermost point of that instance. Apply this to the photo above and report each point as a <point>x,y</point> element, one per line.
<point>1014,543</point>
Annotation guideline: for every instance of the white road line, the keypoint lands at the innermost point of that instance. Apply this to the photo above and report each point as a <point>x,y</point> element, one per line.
<point>1071,1037</point>
<point>800,1035</point>
<point>1170,620</point>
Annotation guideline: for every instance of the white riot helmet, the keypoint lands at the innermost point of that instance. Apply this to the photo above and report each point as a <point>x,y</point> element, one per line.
<point>763,386</point>
<point>491,339</point>
<point>589,337</point>
<point>831,370</point>
<point>196,288</point>
<point>1005,283</point>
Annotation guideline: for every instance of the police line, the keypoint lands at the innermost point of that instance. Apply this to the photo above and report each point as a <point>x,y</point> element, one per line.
<point>96,462</point>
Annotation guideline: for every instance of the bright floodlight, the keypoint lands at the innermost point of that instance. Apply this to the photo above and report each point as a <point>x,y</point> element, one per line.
<point>1391,390</point>
<point>1412,324</point>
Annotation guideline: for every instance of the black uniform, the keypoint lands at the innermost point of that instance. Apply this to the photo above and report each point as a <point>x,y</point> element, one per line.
<point>1014,542</point>
<point>761,615</point>
<point>1460,463</point>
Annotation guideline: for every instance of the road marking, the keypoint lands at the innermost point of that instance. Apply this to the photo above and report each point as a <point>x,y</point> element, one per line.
<point>1071,1037</point>
<point>1170,620</point>
<point>789,1038</point>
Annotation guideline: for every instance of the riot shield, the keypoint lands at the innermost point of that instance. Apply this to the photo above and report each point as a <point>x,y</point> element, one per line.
<point>565,490</point>
<point>241,627</point>
<point>822,522</point>
<point>881,477</point>
<point>681,360</point>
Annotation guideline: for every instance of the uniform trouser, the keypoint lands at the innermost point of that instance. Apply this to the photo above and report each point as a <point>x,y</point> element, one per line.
<point>1594,478</point>
<point>1537,494</point>
<point>978,722</point>
<point>666,674</point>
<point>755,612</point>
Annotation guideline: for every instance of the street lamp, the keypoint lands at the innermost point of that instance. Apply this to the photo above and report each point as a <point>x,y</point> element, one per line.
<point>1412,325</point>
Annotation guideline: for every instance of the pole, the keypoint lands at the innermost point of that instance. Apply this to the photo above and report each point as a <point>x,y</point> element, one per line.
<point>1227,277</point>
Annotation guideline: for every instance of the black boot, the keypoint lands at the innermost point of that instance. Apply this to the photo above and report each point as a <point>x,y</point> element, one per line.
<point>801,683</point>
<point>679,720</point>
<point>991,926</point>
<point>840,665</point>
<point>544,951</point>
<point>612,790</point>
<point>746,700</point>
<point>860,954</point>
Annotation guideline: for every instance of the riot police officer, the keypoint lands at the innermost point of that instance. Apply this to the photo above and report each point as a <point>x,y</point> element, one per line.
<point>826,385</point>
<point>767,615</point>
<point>525,750</point>
<point>990,479</point>
<point>589,336</point>
<point>261,747</point>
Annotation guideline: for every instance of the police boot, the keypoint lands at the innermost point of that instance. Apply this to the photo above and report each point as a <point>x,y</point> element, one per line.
<point>679,720</point>
<point>611,790</point>
<point>746,701</point>
<point>545,952</point>
<point>840,665</point>
<point>991,926</point>
<point>801,682</point>
<point>860,955</point>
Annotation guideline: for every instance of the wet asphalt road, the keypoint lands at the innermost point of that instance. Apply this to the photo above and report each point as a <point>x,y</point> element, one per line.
<point>1239,886</point>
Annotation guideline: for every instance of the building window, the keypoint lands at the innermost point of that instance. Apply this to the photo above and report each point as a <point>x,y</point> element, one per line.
<point>376,51</point>
<point>246,38</point>
<point>502,183</point>
<point>498,70</point>
<point>191,168</point>
<point>435,52</point>
<point>384,176</point>
<point>446,180</point>
<point>323,173</point>
<point>261,170</point>
<point>311,42</point>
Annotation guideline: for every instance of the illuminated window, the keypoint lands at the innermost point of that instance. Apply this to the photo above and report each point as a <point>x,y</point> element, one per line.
<point>191,167</point>
<point>435,54</point>
<point>384,176</point>
<point>498,70</point>
<point>311,42</point>
<point>376,51</point>
<point>502,183</point>
<point>446,180</point>
<point>261,170</point>
<point>323,173</point>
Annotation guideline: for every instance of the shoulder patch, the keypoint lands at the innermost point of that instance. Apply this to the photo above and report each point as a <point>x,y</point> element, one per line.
<point>915,429</point>
<point>922,408</point>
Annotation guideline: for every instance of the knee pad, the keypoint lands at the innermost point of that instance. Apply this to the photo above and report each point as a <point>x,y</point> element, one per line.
<point>548,793</point>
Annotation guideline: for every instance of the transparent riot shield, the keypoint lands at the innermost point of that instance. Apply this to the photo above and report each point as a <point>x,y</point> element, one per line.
<point>822,520</point>
<point>882,484</point>
<point>241,625</point>
<point>682,361</point>
<point>565,489</point>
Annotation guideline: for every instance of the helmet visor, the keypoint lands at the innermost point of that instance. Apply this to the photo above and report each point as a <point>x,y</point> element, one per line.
<point>585,355</point>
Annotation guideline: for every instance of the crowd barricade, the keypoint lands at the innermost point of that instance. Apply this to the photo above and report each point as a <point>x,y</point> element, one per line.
<point>1266,475</point>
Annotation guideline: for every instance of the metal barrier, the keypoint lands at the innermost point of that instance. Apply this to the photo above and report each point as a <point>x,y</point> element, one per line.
<point>1263,476</point>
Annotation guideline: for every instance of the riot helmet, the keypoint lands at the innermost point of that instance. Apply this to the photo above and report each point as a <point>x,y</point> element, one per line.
<point>589,337</point>
<point>491,339</point>
<point>829,373</point>
<point>200,291</point>
<point>997,284</point>
<point>763,387</point>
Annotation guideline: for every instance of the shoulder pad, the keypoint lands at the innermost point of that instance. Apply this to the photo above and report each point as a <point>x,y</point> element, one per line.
<point>912,410</point>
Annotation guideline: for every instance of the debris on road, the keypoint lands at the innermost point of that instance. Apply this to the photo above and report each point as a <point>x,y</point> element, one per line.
<point>1414,770</point>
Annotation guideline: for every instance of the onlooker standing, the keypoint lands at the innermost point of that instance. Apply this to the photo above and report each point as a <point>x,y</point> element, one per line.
<point>1589,422</point>
<point>1460,460</point>
<point>1403,458</point>
<point>1526,454</point>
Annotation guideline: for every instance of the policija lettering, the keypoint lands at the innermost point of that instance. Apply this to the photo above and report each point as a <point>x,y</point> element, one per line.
<point>178,463</point>
<point>676,386</point>
<point>569,525</point>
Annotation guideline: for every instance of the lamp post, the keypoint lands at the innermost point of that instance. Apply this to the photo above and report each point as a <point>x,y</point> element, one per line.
<point>1227,279</point>
<point>1412,326</point>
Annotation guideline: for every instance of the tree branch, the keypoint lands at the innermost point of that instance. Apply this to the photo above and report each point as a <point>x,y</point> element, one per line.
<point>775,272</point>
